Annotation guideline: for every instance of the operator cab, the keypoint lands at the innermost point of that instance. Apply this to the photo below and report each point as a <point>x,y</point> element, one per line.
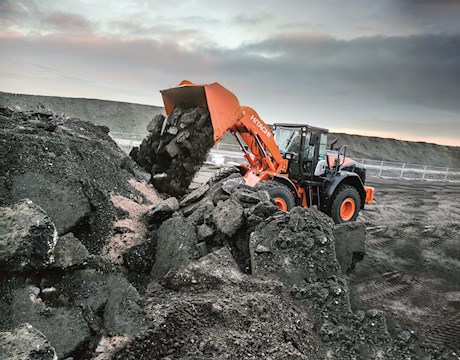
<point>304,146</point>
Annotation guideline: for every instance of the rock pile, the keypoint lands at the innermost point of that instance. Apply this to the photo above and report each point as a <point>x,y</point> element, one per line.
<point>71,169</point>
<point>219,273</point>
<point>176,148</point>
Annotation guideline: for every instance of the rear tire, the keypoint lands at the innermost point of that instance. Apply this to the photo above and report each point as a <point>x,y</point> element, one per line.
<point>280,193</point>
<point>345,204</point>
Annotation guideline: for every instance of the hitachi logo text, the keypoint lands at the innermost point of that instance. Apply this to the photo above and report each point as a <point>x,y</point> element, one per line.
<point>261,126</point>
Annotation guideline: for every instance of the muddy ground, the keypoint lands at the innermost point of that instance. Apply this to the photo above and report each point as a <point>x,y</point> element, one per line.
<point>412,267</point>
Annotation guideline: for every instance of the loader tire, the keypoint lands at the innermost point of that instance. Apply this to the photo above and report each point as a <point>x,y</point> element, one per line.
<point>346,204</point>
<point>281,194</point>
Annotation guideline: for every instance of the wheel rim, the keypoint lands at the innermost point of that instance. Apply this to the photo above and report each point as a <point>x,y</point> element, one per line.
<point>281,203</point>
<point>347,209</point>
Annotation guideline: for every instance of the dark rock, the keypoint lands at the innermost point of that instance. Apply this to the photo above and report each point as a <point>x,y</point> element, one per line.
<point>155,124</point>
<point>27,237</point>
<point>204,232</point>
<point>162,211</point>
<point>123,314</point>
<point>65,328</point>
<point>140,258</point>
<point>247,195</point>
<point>202,211</point>
<point>173,149</point>
<point>25,343</point>
<point>176,246</point>
<point>69,251</point>
<point>228,216</point>
<point>35,186</point>
<point>195,195</point>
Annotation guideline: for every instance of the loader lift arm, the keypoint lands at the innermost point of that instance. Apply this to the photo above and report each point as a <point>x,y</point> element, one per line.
<point>228,115</point>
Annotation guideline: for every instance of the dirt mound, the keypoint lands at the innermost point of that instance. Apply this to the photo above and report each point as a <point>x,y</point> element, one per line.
<point>73,170</point>
<point>176,148</point>
<point>412,152</point>
<point>210,310</point>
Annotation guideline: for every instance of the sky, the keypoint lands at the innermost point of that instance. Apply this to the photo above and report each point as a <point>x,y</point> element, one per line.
<point>387,68</point>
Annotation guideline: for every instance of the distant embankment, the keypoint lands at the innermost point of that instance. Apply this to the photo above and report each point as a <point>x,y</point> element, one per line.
<point>133,118</point>
<point>118,116</point>
<point>369,147</point>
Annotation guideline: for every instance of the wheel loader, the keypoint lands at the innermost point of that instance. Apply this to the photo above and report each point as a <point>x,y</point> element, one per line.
<point>291,161</point>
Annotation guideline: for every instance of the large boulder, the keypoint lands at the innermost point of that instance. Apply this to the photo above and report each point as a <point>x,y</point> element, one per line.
<point>27,237</point>
<point>294,246</point>
<point>176,246</point>
<point>123,314</point>
<point>25,342</point>
<point>228,216</point>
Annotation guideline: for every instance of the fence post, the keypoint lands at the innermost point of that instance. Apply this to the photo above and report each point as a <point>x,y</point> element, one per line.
<point>402,170</point>
<point>381,167</point>
<point>447,172</point>
<point>424,173</point>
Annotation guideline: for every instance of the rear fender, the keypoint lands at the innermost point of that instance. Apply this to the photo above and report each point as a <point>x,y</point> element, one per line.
<point>343,177</point>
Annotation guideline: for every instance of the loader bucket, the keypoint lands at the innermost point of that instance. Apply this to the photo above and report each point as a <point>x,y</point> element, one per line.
<point>222,104</point>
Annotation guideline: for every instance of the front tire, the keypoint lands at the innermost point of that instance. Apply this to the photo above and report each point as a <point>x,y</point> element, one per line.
<point>280,194</point>
<point>345,204</point>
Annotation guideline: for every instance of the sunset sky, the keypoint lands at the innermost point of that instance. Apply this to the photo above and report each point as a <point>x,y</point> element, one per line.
<point>387,68</point>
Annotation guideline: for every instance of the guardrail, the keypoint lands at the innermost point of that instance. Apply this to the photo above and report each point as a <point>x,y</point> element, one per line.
<point>223,154</point>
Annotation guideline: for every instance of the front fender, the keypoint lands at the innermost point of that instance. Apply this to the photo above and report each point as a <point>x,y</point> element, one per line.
<point>344,177</point>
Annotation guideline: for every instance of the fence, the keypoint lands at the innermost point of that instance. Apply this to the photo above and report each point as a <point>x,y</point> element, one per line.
<point>224,153</point>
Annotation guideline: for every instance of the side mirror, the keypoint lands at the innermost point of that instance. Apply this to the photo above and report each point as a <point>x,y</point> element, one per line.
<point>333,142</point>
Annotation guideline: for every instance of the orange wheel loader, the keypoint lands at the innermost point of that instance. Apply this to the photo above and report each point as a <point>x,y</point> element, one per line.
<point>291,162</point>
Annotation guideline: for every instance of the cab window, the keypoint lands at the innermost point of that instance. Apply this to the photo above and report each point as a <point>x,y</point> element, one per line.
<point>288,139</point>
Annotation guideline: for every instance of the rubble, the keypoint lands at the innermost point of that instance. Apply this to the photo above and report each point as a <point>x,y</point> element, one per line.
<point>176,148</point>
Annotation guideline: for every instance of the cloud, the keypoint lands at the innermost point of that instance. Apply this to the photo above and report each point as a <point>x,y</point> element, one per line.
<point>407,85</point>
<point>252,19</point>
<point>65,22</point>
